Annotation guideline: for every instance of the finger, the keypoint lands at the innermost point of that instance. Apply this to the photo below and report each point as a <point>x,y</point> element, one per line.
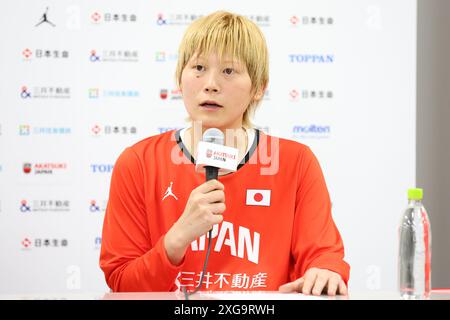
<point>210,186</point>
<point>333,284</point>
<point>342,288</point>
<point>215,196</point>
<point>310,279</point>
<point>321,282</point>
<point>301,282</point>
<point>217,208</point>
<point>294,286</point>
<point>216,218</point>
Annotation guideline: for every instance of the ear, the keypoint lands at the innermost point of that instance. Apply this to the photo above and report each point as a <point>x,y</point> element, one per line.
<point>259,93</point>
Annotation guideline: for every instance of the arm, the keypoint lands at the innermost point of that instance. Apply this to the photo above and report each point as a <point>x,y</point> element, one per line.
<point>317,247</point>
<point>128,258</point>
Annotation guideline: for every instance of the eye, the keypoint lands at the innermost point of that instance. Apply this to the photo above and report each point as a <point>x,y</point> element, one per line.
<point>228,70</point>
<point>198,67</point>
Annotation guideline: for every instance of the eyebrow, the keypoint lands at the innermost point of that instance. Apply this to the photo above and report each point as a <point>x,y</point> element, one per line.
<point>225,61</point>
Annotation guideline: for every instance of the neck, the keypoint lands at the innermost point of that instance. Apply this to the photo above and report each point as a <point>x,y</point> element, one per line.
<point>235,138</point>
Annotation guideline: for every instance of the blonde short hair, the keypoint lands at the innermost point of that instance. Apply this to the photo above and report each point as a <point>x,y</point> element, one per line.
<point>233,35</point>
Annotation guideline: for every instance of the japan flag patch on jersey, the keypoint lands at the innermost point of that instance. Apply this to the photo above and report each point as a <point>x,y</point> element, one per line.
<point>258,197</point>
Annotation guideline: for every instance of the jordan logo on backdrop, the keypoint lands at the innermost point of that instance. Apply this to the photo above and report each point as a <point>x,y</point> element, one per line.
<point>45,19</point>
<point>169,192</point>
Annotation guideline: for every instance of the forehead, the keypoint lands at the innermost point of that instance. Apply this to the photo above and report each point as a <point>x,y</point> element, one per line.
<point>215,57</point>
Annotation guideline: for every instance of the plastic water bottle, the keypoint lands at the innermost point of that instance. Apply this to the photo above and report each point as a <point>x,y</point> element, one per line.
<point>414,256</point>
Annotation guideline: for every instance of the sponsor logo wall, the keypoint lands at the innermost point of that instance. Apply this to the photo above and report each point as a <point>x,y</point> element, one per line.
<point>82,82</point>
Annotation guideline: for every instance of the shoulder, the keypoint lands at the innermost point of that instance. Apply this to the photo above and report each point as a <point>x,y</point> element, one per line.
<point>292,157</point>
<point>144,149</point>
<point>297,162</point>
<point>165,139</point>
<point>286,147</point>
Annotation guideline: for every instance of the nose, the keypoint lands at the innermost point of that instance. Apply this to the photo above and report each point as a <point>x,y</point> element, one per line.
<point>211,85</point>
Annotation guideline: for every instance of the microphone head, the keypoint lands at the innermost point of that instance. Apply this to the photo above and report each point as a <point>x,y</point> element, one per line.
<point>214,135</point>
<point>211,152</point>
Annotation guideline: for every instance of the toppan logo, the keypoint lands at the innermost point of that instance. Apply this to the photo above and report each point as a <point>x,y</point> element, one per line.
<point>311,58</point>
<point>97,243</point>
<point>101,168</point>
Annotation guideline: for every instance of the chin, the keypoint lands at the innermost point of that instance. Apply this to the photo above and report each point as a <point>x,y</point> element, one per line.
<point>209,123</point>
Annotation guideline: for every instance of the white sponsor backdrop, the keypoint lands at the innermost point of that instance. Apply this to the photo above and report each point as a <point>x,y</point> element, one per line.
<point>74,95</point>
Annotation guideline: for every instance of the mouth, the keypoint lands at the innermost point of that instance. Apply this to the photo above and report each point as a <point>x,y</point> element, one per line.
<point>210,104</point>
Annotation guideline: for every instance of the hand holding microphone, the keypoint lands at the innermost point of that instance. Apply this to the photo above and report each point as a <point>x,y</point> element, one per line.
<point>206,203</point>
<point>203,210</point>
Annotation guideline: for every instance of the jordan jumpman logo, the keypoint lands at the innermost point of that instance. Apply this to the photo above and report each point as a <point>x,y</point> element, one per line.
<point>44,19</point>
<point>169,192</point>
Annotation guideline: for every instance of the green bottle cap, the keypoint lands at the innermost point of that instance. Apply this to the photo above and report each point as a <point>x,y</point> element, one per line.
<point>415,194</point>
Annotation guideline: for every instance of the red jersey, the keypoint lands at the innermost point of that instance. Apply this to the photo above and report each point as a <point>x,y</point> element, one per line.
<point>277,223</point>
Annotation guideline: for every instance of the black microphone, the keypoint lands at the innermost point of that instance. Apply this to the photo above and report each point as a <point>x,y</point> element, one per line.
<point>213,135</point>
